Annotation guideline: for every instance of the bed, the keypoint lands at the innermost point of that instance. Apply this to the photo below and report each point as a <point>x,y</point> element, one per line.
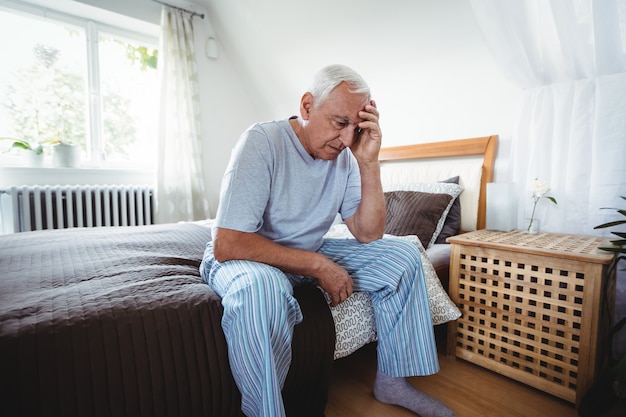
<point>117,321</point>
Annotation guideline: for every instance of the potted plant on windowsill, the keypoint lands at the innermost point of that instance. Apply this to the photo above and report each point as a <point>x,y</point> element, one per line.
<point>35,150</point>
<point>64,154</point>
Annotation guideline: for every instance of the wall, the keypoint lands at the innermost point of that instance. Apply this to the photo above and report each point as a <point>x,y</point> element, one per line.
<point>426,62</point>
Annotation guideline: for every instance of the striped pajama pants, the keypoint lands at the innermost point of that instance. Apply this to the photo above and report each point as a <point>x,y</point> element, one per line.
<point>260,313</point>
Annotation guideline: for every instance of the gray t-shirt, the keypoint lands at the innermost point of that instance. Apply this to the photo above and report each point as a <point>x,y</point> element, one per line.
<point>274,187</point>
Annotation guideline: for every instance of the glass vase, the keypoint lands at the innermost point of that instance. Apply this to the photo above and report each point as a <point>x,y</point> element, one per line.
<point>532,227</point>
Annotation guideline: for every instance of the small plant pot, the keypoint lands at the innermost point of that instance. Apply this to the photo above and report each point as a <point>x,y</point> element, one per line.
<point>65,156</point>
<point>35,160</point>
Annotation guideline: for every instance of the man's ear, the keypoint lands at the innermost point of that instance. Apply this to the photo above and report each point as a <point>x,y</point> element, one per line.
<point>306,105</point>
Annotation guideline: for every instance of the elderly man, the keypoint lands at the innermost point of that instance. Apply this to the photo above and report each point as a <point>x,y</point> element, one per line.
<point>281,192</point>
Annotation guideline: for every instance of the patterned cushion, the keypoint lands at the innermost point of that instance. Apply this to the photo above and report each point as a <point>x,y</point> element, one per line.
<point>354,318</point>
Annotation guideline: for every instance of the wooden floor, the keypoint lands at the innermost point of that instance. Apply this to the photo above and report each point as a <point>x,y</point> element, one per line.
<point>469,390</point>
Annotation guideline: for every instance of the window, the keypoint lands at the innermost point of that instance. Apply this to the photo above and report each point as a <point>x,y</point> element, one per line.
<point>69,79</point>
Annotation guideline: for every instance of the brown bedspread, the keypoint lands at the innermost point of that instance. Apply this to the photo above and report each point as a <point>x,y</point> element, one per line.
<point>117,321</point>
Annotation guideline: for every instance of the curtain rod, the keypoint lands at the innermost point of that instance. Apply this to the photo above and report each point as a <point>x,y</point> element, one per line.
<point>200,15</point>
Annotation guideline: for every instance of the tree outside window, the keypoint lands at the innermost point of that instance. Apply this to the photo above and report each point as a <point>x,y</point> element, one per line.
<point>59,87</point>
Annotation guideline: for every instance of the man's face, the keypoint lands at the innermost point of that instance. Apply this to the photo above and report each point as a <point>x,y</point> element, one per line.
<point>332,126</point>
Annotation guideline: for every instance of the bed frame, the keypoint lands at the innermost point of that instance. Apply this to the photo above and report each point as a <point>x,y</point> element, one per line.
<point>481,146</point>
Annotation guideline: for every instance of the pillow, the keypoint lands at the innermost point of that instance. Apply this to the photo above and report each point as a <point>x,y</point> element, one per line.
<point>454,190</point>
<point>452,225</point>
<point>355,325</point>
<point>414,213</point>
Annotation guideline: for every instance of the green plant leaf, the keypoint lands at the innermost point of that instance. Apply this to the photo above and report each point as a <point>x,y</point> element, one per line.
<point>610,224</point>
<point>620,211</point>
<point>24,144</point>
<point>21,145</point>
<point>615,249</point>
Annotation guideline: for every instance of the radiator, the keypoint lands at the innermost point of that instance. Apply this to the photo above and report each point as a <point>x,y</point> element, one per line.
<point>61,206</point>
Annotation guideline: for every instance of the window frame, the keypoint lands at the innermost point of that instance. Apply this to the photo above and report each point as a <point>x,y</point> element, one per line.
<point>94,22</point>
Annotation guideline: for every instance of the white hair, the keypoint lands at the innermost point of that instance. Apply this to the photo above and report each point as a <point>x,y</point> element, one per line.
<point>328,78</point>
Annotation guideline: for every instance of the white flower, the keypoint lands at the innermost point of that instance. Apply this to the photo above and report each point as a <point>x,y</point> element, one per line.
<point>539,188</point>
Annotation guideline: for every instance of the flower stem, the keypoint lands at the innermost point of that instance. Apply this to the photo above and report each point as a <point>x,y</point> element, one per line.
<point>532,216</point>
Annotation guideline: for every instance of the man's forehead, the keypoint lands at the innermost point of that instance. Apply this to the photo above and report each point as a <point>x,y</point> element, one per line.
<point>345,106</point>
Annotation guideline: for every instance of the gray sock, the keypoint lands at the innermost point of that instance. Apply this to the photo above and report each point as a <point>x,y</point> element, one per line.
<point>398,391</point>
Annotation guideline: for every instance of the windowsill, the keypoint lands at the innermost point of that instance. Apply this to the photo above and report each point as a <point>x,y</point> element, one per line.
<point>24,175</point>
<point>18,168</point>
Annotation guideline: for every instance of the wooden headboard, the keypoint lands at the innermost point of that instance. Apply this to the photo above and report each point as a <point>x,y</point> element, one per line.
<point>484,147</point>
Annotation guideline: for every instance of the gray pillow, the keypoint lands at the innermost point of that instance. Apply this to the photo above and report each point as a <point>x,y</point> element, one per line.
<point>415,213</point>
<point>433,188</point>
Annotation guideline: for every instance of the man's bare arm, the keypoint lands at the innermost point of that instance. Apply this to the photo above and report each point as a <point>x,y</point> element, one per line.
<point>368,223</point>
<point>235,245</point>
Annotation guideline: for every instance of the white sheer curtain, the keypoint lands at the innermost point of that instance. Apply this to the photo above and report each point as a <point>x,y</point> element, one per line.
<point>181,192</point>
<point>569,56</point>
